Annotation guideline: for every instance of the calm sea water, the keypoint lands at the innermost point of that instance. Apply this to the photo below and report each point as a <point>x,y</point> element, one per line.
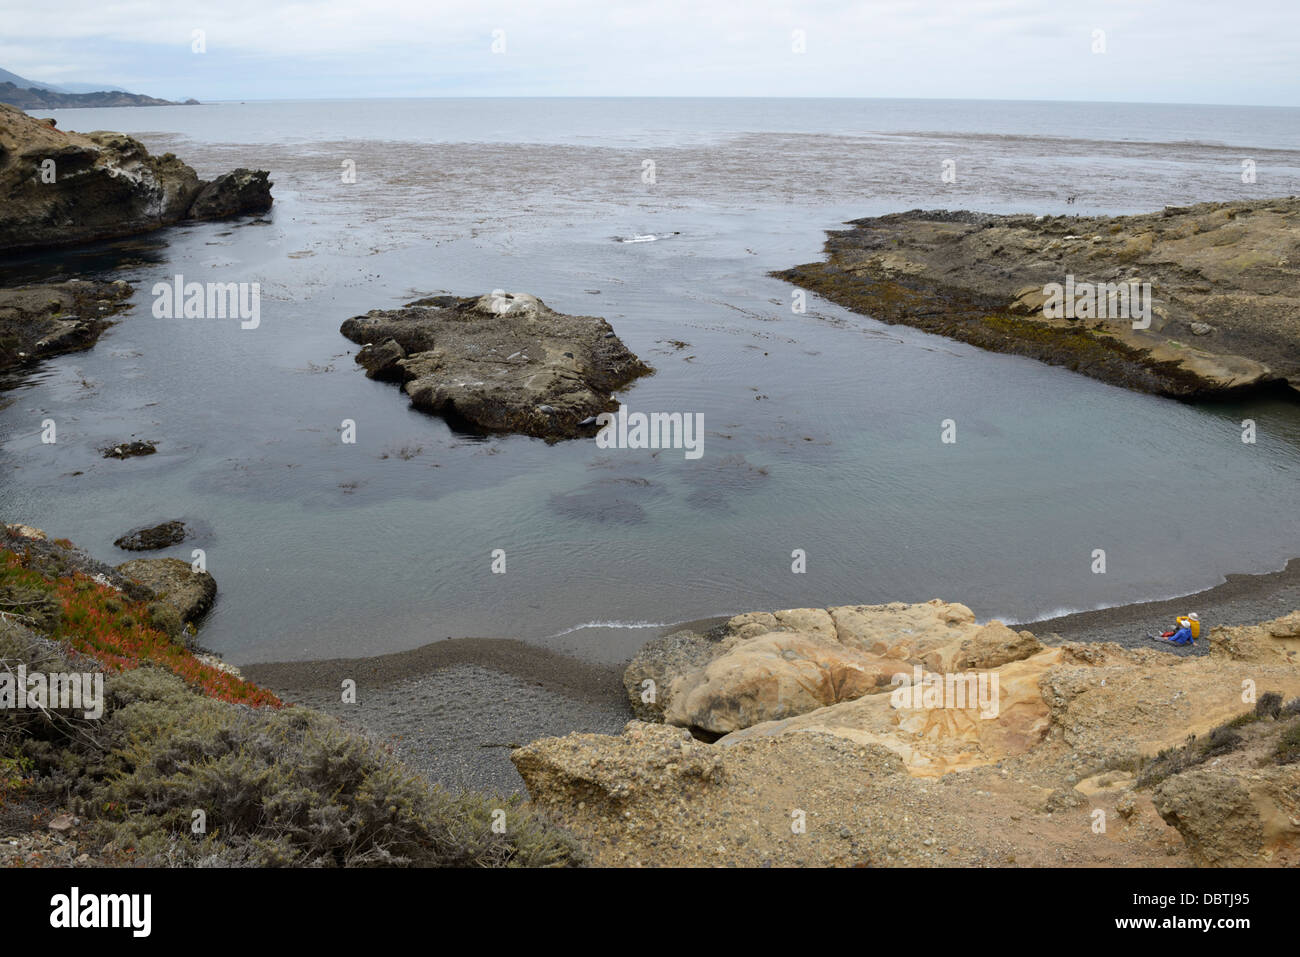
<point>823,429</point>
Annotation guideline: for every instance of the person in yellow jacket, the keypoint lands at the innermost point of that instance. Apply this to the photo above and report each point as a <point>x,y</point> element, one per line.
<point>1191,622</point>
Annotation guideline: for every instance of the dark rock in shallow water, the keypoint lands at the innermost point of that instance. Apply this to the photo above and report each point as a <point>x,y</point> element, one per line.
<point>380,361</point>
<point>126,450</point>
<point>50,319</point>
<point>240,191</point>
<point>503,362</point>
<point>152,537</point>
<point>61,188</point>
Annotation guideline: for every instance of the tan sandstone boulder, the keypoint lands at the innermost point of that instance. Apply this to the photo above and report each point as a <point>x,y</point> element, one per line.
<point>935,737</point>
<point>775,665</point>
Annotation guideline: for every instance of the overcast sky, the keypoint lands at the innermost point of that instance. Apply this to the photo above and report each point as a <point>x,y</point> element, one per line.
<point>1182,51</point>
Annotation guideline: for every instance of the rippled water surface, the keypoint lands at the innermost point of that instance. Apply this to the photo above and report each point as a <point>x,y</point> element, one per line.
<point>822,429</point>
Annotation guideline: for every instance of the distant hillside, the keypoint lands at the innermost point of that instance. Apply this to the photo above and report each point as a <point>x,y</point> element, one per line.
<point>35,98</point>
<point>24,83</point>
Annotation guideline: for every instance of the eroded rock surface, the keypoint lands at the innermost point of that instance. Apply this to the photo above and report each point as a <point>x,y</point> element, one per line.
<point>1224,280</point>
<point>498,363</point>
<point>174,582</point>
<point>772,666</point>
<point>60,188</point>
<point>1077,728</point>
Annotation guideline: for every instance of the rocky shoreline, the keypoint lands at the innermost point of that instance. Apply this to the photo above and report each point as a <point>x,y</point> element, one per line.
<point>777,738</point>
<point>1221,280</point>
<point>766,714</point>
<point>65,188</point>
<point>811,757</point>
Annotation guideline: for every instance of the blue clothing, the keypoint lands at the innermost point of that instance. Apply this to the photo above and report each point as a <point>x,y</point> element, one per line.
<point>1183,636</point>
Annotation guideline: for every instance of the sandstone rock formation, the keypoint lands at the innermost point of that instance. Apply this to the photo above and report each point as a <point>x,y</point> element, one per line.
<point>1078,729</point>
<point>501,362</point>
<point>62,188</point>
<point>1235,818</point>
<point>771,666</point>
<point>1224,279</point>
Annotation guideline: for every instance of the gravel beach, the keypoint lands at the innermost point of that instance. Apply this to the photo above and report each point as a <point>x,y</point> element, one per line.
<point>454,709</point>
<point>1240,600</point>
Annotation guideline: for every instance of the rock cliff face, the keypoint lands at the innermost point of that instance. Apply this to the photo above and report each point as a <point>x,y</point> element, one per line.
<point>1223,282</point>
<point>62,188</point>
<point>825,765</point>
<point>503,362</point>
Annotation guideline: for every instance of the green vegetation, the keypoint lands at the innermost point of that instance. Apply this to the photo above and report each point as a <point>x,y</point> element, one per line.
<point>1227,738</point>
<point>186,768</point>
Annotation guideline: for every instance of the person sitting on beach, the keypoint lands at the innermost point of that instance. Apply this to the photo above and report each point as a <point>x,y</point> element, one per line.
<point>1189,621</point>
<point>1183,636</point>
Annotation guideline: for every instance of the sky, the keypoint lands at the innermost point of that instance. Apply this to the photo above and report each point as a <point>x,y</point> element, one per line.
<point>1175,51</point>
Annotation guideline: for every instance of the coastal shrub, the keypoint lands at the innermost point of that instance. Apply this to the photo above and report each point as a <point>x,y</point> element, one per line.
<point>1268,705</point>
<point>1243,719</point>
<point>276,787</point>
<point>1170,761</point>
<point>1287,750</point>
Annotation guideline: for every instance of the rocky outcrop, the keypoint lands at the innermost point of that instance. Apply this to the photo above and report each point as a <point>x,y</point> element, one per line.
<point>1235,818</point>
<point>987,724</point>
<point>240,191</point>
<point>49,319</point>
<point>503,362</point>
<point>648,678</point>
<point>62,188</point>
<point>174,582</point>
<point>1224,281</point>
<point>772,666</point>
<point>1016,776</point>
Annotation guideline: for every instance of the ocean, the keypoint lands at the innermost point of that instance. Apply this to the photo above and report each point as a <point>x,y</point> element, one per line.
<point>822,428</point>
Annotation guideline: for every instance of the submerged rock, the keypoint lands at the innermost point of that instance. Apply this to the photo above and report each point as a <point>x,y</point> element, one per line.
<point>128,450</point>
<point>60,188</point>
<point>503,362</point>
<point>153,537</point>
<point>1222,274</point>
